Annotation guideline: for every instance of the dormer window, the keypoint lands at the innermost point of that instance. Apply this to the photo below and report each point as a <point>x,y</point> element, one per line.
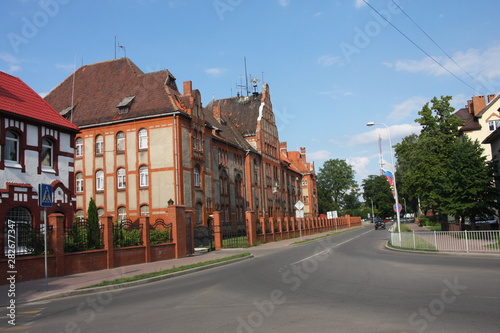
<point>125,104</point>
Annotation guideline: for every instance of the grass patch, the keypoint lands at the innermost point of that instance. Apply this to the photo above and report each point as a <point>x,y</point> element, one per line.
<point>164,272</point>
<point>495,246</point>
<point>324,236</point>
<point>404,228</point>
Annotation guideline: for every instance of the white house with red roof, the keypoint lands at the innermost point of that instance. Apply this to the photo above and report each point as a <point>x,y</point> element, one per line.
<point>36,147</point>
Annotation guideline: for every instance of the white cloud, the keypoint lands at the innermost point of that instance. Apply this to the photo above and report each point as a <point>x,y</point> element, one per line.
<point>320,155</point>
<point>397,133</point>
<point>215,71</point>
<point>407,108</point>
<point>359,164</point>
<point>359,3</point>
<point>66,68</point>
<point>284,3</point>
<point>11,62</point>
<point>479,65</point>
<point>328,60</point>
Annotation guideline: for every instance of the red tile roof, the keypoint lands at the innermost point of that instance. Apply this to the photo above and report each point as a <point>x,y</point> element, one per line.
<point>18,98</point>
<point>99,88</point>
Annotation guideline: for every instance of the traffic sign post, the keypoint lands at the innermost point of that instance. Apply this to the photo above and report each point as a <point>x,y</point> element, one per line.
<point>397,208</point>
<point>45,200</point>
<point>299,214</point>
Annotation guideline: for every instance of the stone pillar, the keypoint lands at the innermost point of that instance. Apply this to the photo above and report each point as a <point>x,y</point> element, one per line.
<point>107,223</point>
<point>217,224</point>
<point>56,241</point>
<point>251,219</point>
<point>177,215</point>
<point>144,223</point>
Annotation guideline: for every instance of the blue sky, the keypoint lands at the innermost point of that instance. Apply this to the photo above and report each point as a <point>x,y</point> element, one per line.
<point>332,66</point>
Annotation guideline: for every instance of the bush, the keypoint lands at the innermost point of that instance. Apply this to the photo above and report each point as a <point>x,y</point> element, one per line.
<point>159,236</point>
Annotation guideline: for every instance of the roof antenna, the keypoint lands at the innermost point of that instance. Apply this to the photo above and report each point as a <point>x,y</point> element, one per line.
<point>246,76</point>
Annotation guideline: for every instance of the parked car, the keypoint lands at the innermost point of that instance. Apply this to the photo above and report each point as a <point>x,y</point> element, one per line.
<point>379,224</point>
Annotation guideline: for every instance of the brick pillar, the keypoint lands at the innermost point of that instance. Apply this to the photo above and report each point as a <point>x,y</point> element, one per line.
<point>217,230</point>
<point>177,215</point>
<point>348,221</point>
<point>251,219</point>
<point>144,222</point>
<point>56,241</point>
<point>107,222</point>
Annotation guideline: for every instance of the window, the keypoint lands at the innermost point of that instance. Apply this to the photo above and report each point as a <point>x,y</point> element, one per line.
<point>99,145</point>
<point>143,176</point>
<point>100,212</point>
<point>99,180</point>
<point>120,141</point>
<point>143,138</point>
<point>79,182</point>
<point>47,153</point>
<point>19,219</point>
<point>144,210</point>
<point>196,172</point>
<point>12,147</point>
<point>79,214</point>
<point>493,125</point>
<point>122,213</point>
<point>121,178</point>
<point>79,147</point>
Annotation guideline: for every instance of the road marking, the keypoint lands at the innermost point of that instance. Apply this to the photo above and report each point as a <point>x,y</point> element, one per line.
<point>330,248</point>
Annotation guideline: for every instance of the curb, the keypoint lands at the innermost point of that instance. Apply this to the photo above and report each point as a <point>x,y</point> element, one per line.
<point>78,292</point>
<point>478,254</point>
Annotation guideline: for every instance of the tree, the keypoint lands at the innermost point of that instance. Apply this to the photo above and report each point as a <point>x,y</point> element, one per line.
<point>335,182</point>
<point>378,190</point>
<point>94,233</point>
<point>443,168</point>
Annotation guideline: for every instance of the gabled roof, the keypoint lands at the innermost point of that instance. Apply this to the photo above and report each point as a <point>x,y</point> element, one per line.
<point>226,130</point>
<point>242,112</point>
<point>18,98</point>
<point>471,123</point>
<point>102,88</point>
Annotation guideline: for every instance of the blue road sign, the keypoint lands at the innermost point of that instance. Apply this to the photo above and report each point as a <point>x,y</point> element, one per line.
<point>45,195</point>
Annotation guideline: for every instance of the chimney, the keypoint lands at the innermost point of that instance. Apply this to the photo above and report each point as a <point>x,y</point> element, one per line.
<point>216,112</point>
<point>490,98</point>
<point>283,145</point>
<point>302,150</point>
<point>478,103</point>
<point>188,87</point>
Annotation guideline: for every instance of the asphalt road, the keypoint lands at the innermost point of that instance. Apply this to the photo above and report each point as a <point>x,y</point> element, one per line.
<point>344,283</point>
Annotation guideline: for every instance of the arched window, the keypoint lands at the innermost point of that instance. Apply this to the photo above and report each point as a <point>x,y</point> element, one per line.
<point>79,147</point>
<point>11,150</point>
<point>143,138</point>
<point>99,180</point>
<point>79,214</point>
<point>47,153</point>
<point>120,142</point>
<point>143,176</point>
<point>122,213</point>
<point>79,182</point>
<point>121,178</point>
<point>144,210</point>
<point>99,145</point>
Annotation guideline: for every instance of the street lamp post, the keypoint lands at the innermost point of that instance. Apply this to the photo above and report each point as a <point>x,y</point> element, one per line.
<point>372,209</point>
<point>394,175</point>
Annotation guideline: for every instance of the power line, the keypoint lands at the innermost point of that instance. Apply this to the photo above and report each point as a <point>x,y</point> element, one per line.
<point>411,41</point>
<point>449,57</point>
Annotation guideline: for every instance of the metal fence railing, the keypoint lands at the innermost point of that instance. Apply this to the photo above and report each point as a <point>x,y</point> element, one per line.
<point>447,241</point>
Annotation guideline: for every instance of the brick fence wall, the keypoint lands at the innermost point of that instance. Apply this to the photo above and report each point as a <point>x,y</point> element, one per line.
<point>60,263</point>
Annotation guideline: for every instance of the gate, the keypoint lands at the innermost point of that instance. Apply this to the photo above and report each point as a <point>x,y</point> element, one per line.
<point>234,234</point>
<point>204,237</point>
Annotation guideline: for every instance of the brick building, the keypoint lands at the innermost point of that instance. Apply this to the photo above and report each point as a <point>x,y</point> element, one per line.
<point>144,145</point>
<point>37,147</point>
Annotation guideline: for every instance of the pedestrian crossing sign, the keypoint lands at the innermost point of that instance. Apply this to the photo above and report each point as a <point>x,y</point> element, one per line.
<point>45,195</point>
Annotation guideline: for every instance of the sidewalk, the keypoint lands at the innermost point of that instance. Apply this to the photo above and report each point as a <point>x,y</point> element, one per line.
<point>67,285</point>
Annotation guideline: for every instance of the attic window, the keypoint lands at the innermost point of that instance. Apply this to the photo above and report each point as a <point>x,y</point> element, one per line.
<point>125,104</point>
<point>67,112</point>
